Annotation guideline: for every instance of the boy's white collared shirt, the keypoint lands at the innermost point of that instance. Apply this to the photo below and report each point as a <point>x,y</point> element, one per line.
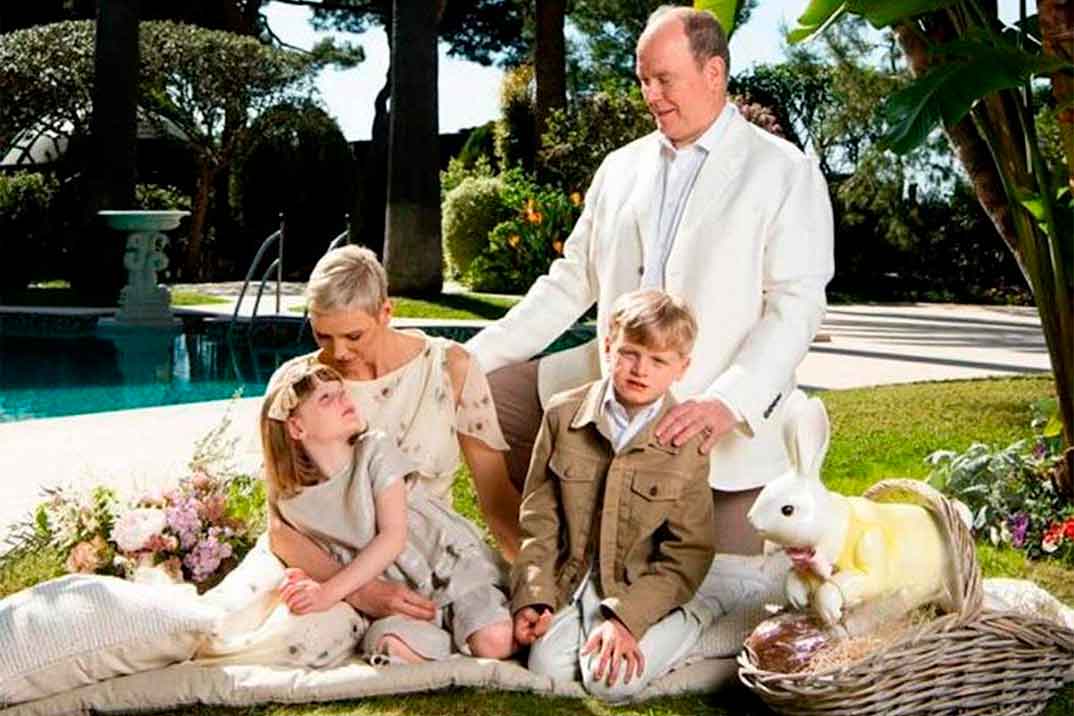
<point>623,426</point>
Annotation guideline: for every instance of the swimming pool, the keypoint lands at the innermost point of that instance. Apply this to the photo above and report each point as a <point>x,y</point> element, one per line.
<point>45,376</point>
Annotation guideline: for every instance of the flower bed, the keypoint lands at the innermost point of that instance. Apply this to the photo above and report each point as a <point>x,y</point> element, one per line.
<point>1012,491</point>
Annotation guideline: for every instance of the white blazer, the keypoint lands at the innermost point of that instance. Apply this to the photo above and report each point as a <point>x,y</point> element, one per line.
<point>752,255</point>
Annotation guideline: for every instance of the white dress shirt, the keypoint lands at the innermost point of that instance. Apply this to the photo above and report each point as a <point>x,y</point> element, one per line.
<point>624,426</point>
<point>678,172</point>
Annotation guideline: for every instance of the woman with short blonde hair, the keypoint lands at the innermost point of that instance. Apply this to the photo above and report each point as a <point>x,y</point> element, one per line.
<point>425,392</point>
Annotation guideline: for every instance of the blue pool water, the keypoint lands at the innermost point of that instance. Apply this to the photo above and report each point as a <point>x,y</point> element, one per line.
<point>46,372</point>
<point>54,376</point>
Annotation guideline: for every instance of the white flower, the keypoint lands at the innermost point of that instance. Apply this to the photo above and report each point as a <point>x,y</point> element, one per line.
<point>133,530</point>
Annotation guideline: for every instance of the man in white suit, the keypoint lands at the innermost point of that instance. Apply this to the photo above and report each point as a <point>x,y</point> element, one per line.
<point>733,219</point>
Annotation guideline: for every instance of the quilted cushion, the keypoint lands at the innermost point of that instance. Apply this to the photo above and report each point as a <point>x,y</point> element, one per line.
<point>80,629</point>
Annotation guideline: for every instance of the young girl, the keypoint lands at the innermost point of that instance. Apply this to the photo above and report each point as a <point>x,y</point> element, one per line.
<point>351,490</point>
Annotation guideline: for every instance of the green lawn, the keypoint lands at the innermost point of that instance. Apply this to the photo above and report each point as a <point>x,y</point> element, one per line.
<point>193,298</point>
<point>877,433</point>
<point>449,306</point>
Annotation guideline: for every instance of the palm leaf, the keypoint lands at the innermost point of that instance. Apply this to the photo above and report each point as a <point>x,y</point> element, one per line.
<point>818,15</point>
<point>724,10</point>
<point>947,92</point>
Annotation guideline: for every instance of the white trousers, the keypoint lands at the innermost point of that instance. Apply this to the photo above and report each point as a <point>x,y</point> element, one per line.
<point>557,654</point>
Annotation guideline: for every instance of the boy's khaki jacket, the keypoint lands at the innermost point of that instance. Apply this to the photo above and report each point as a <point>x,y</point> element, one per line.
<point>651,505</point>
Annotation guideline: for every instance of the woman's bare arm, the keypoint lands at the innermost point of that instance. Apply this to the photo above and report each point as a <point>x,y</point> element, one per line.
<point>496,494</point>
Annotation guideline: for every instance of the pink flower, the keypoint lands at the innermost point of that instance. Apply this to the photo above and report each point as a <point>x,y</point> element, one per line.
<point>201,480</point>
<point>85,558</point>
<point>133,531</point>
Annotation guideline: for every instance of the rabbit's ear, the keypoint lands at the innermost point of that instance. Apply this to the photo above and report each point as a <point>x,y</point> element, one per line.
<point>794,412</point>
<point>811,438</point>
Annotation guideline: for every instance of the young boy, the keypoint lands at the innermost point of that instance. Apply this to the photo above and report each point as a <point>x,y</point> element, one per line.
<point>617,530</point>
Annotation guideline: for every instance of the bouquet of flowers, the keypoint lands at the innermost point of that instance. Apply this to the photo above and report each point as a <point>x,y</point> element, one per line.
<point>195,531</point>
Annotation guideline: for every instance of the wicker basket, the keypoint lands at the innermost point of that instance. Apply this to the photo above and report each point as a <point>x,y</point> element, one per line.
<point>969,662</point>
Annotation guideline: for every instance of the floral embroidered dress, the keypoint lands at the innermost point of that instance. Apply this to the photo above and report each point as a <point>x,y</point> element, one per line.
<point>445,558</point>
<point>415,405</point>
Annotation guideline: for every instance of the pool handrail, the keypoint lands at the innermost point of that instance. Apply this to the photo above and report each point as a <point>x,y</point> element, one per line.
<point>343,238</point>
<point>277,264</point>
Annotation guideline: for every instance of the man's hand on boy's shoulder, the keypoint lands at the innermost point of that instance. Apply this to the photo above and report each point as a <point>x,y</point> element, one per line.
<point>708,416</point>
<point>531,623</point>
<point>614,643</point>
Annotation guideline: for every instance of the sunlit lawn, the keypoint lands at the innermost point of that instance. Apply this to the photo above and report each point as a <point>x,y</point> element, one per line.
<point>449,306</point>
<point>876,433</point>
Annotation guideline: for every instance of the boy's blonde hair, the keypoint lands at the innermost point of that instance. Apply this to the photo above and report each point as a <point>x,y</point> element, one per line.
<point>655,319</point>
<point>347,277</point>
<point>288,467</point>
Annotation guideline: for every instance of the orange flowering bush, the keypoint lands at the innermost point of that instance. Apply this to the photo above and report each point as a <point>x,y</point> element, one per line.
<point>522,248</point>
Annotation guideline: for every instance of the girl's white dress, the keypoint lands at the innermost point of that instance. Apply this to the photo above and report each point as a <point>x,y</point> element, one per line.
<point>414,406</point>
<point>445,558</point>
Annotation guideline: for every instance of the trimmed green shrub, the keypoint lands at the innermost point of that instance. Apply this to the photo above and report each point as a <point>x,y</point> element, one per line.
<point>26,237</point>
<point>457,170</point>
<point>470,212</point>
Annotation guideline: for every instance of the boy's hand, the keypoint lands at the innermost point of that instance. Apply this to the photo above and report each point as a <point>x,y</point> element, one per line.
<point>530,624</point>
<point>303,595</point>
<point>614,642</point>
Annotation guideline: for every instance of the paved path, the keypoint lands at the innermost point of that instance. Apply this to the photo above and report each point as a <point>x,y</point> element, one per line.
<point>858,346</point>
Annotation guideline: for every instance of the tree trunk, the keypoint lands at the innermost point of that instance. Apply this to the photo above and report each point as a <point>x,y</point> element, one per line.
<point>413,255</point>
<point>114,129</point>
<point>550,62</point>
<point>194,262</point>
<point>373,179</point>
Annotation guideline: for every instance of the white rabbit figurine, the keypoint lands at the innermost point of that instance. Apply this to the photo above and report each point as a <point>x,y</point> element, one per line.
<point>845,550</point>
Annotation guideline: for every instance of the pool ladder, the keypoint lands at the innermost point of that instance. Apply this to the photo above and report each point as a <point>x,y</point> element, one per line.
<point>278,239</point>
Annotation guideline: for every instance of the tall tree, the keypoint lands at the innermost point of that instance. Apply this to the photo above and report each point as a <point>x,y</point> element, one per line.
<point>113,133</point>
<point>114,122</point>
<point>483,31</point>
<point>550,61</point>
<point>413,253</point>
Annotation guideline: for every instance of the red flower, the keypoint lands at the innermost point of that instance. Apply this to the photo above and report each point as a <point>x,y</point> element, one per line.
<point>1068,529</point>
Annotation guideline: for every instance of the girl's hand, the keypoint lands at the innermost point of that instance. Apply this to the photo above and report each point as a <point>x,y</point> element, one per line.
<point>305,596</point>
<point>615,643</point>
<point>530,624</point>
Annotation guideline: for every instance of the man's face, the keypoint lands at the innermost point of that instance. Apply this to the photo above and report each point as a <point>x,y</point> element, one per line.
<point>685,98</point>
<point>641,374</point>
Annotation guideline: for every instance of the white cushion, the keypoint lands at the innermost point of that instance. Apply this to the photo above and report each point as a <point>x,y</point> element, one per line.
<point>80,629</point>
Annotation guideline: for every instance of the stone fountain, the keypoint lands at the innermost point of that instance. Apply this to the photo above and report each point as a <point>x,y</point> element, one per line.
<point>142,302</point>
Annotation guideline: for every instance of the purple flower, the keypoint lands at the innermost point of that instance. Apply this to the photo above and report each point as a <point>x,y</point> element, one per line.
<point>205,558</point>
<point>183,519</point>
<point>1040,450</point>
<point>1018,525</point>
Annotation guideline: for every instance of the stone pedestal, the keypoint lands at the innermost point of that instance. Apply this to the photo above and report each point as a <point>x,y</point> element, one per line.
<point>142,302</point>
